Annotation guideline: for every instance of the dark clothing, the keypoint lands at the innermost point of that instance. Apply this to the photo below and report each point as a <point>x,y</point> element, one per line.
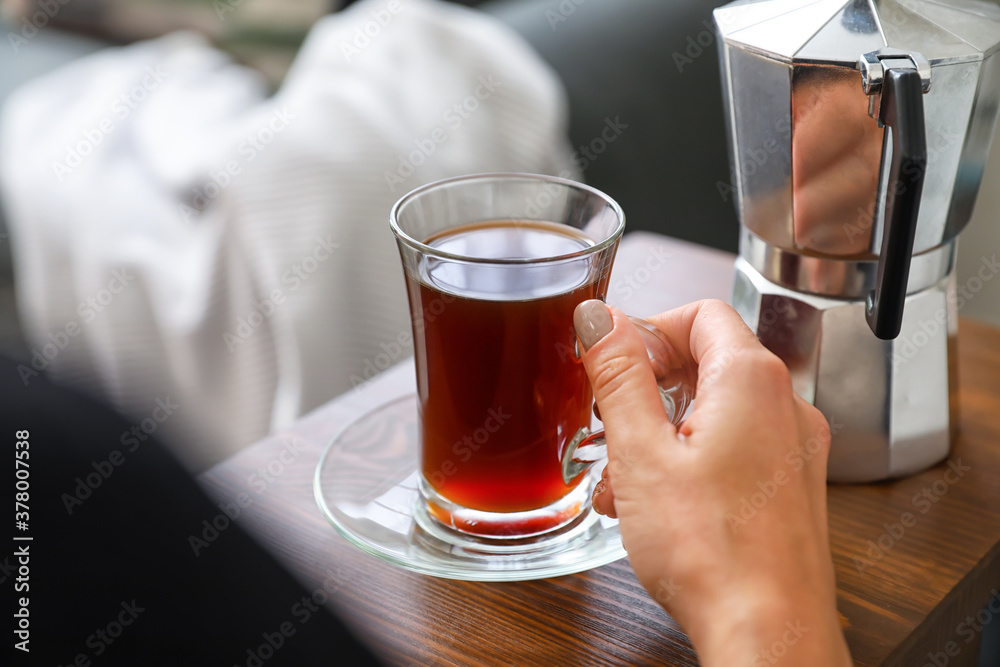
<point>109,576</point>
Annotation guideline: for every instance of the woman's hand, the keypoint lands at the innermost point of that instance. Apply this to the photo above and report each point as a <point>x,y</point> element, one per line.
<point>724,519</point>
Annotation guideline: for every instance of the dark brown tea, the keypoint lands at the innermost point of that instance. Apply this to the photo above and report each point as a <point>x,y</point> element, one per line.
<point>500,388</point>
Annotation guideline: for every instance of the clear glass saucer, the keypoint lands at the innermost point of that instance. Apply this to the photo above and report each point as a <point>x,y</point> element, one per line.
<point>366,485</point>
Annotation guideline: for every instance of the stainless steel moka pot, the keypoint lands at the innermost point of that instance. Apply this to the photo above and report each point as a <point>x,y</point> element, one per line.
<point>858,132</point>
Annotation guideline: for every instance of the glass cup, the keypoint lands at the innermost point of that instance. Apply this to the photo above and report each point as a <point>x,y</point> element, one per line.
<point>495,265</point>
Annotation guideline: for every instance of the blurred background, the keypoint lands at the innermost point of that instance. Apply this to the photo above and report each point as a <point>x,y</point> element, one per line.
<point>647,65</point>
<point>664,174</point>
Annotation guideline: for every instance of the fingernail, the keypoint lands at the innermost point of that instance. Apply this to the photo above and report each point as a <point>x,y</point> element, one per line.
<point>598,490</point>
<point>592,321</point>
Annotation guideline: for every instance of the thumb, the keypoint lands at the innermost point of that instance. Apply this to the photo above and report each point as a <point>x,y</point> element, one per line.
<point>625,389</point>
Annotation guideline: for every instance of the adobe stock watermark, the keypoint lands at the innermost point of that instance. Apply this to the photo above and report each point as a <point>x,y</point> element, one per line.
<point>391,352</point>
<point>666,590</point>
<point>212,528</point>
<point>402,344</point>
<point>755,158</point>
<point>967,291</point>
<point>967,629</point>
<point>7,569</point>
<point>627,285</point>
<point>568,351</point>
<point>584,156</point>
<point>623,461</point>
<point>452,119</point>
<point>30,25</point>
<point>290,450</point>
<point>790,637</point>
<point>908,345</point>
<point>697,45</point>
<point>894,14</point>
<point>562,12</point>
<point>940,141</point>
<point>263,309</point>
<point>378,20</point>
<point>88,310</point>
<point>103,638</point>
<point>464,449</point>
<point>248,149</point>
<point>121,108</point>
<point>796,461</point>
<point>302,611</point>
<point>131,439</point>
<point>923,503</point>
<point>223,7</point>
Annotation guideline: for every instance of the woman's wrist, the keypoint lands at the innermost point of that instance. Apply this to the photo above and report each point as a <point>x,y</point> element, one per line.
<point>763,630</point>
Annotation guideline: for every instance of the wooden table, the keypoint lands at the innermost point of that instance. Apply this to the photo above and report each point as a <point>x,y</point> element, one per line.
<point>909,601</point>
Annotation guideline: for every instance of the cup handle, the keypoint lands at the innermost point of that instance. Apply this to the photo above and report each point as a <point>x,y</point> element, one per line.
<point>676,381</point>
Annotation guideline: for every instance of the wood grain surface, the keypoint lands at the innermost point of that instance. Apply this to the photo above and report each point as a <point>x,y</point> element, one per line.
<point>898,603</point>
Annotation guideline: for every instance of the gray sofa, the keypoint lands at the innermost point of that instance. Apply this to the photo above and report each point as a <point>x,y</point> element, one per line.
<point>652,64</point>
